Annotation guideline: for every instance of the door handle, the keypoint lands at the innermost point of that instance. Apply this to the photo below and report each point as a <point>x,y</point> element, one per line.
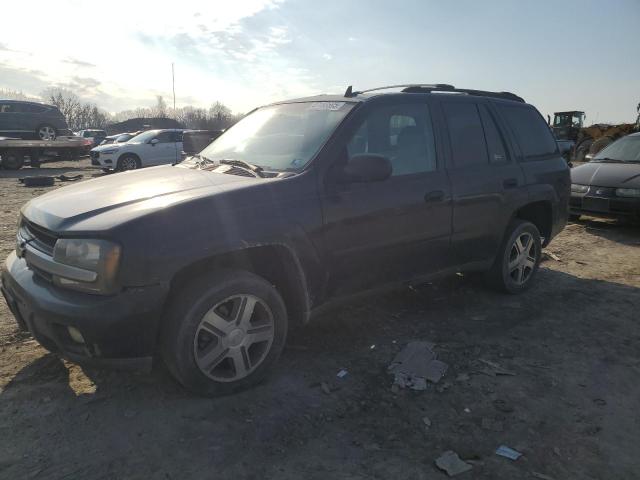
<point>510,183</point>
<point>435,196</point>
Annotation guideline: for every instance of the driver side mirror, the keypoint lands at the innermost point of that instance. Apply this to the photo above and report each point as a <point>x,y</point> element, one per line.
<point>366,167</point>
<point>154,141</point>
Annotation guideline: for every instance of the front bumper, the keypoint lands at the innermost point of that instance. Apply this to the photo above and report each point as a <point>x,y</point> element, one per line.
<point>101,160</point>
<point>119,331</point>
<point>604,206</point>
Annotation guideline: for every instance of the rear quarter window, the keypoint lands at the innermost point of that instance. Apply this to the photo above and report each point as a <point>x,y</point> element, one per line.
<point>531,131</point>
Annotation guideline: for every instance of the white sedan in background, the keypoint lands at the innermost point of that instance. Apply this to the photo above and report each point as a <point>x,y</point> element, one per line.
<point>153,147</point>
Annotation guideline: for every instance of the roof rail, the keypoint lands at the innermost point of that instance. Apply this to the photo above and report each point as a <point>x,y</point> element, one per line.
<point>438,87</point>
<point>351,93</point>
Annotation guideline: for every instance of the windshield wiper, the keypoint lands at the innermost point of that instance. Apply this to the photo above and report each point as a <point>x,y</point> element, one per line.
<point>607,160</point>
<point>201,160</point>
<point>242,164</point>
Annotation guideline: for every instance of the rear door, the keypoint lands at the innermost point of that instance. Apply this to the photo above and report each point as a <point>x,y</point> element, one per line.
<point>391,230</point>
<point>485,178</point>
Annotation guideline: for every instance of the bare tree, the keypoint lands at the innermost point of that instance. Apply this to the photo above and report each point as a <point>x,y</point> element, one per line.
<point>79,114</point>
<point>8,94</point>
<point>160,110</point>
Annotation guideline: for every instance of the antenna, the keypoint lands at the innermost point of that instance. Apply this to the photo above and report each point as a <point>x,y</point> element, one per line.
<point>349,92</point>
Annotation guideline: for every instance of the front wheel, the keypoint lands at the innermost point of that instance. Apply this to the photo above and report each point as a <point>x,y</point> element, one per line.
<point>128,162</point>
<point>518,259</point>
<point>223,331</point>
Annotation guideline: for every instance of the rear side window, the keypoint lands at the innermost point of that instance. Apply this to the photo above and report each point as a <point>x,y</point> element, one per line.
<point>531,131</point>
<point>466,134</point>
<point>495,144</point>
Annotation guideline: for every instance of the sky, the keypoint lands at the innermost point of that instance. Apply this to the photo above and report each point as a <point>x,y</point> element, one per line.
<point>558,55</point>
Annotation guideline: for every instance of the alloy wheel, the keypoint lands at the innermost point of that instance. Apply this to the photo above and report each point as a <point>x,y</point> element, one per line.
<point>46,133</point>
<point>128,163</point>
<point>233,338</point>
<point>523,257</point>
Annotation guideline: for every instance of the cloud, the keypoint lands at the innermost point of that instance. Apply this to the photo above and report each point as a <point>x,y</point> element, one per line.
<point>78,63</point>
<point>4,48</point>
<point>327,56</point>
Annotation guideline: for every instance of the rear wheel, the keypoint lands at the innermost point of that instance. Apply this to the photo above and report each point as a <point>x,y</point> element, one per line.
<point>519,258</point>
<point>46,132</point>
<point>223,332</point>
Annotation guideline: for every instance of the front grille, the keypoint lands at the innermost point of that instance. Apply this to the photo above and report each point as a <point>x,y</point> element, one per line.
<point>38,237</point>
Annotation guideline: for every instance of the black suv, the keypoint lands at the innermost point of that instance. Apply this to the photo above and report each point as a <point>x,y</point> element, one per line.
<point>210,261</point>
<point>31,120</point>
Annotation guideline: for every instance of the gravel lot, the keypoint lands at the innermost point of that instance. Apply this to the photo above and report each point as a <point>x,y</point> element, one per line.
<point>572,341</point>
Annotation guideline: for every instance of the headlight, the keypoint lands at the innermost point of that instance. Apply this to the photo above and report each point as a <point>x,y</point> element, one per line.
<point>576,188</point>
<point>628,192</point>
<point>99,256</point>
<point>109,151</point>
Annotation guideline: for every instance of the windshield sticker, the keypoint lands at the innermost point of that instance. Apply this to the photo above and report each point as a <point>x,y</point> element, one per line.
<point>326,106</point>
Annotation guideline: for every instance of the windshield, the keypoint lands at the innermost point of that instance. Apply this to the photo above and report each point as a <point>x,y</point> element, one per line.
<point>144,136</point>
<point>279,137</point>
<point>627,149</point>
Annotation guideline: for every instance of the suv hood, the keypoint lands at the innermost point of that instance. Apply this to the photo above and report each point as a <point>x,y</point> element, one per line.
<point>625,175</point>
<point>105,202</point>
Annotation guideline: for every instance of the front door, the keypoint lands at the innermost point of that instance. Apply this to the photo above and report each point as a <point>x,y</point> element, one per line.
<point>390,230</point>
<point>165,151</point>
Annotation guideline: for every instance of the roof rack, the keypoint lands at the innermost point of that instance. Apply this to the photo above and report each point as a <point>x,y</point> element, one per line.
<point>438,87</point>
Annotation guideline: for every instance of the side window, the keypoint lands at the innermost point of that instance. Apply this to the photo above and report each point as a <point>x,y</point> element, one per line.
<point>165,137</point>
<point>466,134</point>
<point>177,136</point>
<point>531,131</point>
<point>495,144</point>
<point>6,108</point>
<point>403,133</point>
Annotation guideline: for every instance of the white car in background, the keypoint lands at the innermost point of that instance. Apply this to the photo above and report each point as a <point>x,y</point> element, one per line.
<point>153,147</point>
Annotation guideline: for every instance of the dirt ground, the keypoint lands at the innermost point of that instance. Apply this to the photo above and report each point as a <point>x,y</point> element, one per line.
<point>571,407</point>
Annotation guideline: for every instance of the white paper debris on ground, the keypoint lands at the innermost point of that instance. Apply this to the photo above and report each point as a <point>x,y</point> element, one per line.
<point>451,463</point>
<point>416,364</point>
<point>342,373</point>
<point>507,452</point>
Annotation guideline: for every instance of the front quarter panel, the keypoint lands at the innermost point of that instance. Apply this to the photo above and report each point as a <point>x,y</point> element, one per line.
<point>277,212</point>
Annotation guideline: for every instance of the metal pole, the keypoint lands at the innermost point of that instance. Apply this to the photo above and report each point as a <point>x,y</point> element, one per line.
<point>173,81</point>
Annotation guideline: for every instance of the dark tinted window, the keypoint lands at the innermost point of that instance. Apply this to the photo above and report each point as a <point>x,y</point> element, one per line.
<point>530,129</point>
<point>403,133</point>
<point>468,146</point>
<point>177,136</point>
<point>495,143</point>
<point>27,108</point>
<point>6,108</point>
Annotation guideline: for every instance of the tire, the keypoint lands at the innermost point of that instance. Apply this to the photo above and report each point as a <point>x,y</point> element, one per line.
<point>128,161</point>
<point>582,149</point>
<point>11,160</point>
<point>501,276</point>
<point>216,356</point>
<point>46,132</point>
<point>574,218</point>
